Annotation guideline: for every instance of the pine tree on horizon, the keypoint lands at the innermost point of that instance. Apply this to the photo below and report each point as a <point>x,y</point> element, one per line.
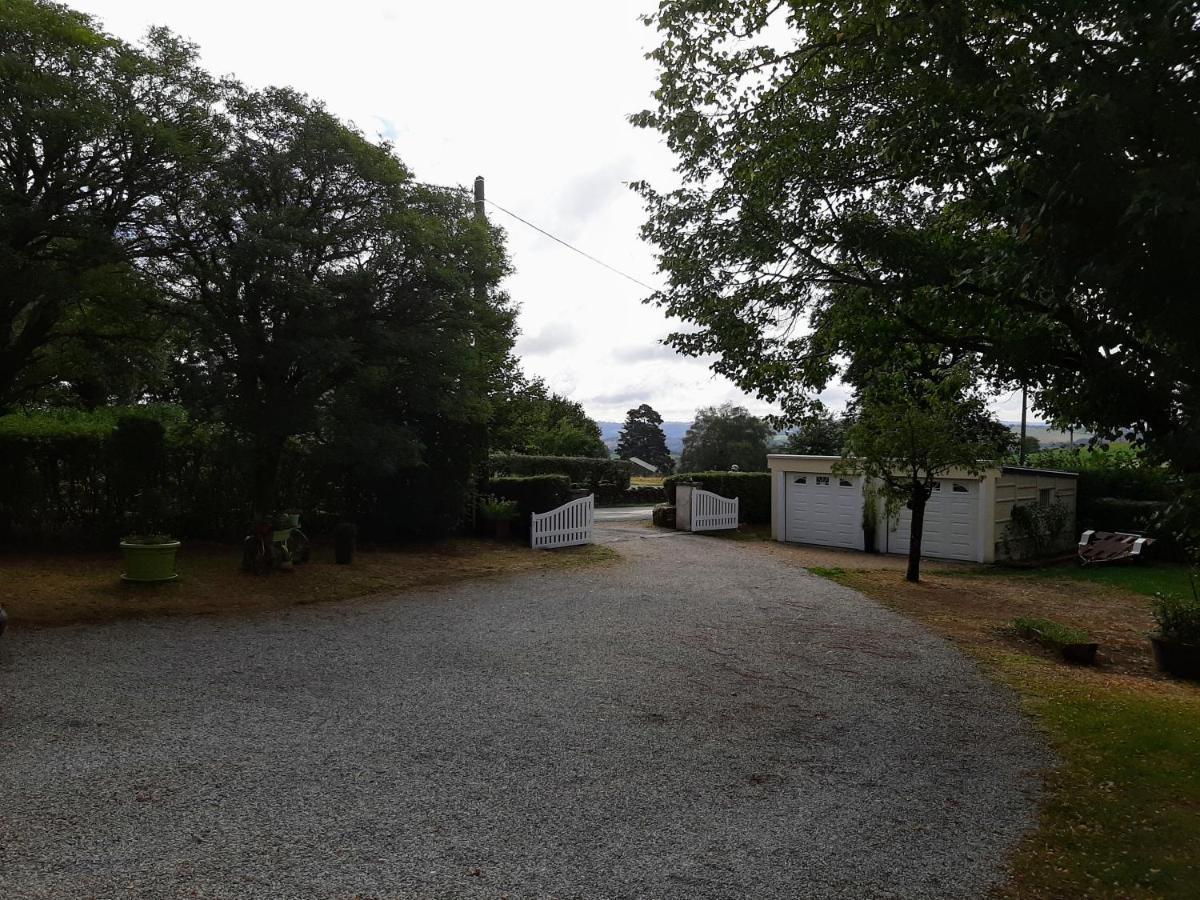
<point>642,436</point>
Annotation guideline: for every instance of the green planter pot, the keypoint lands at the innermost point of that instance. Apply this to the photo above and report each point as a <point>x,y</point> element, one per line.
<point>149,562</point>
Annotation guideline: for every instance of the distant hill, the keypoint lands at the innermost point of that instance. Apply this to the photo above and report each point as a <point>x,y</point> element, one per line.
<point>1048,436</point>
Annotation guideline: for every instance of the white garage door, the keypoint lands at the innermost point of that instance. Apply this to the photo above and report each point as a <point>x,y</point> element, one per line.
<point>823,509</point>
<point>951,523</point>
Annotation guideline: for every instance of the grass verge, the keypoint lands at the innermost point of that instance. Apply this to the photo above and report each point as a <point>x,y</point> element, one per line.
<point>42,589</point>
<point>1121,815</point>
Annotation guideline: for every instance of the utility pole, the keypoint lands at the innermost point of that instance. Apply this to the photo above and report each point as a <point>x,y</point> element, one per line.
<point>1021,456</point>
<point>479,212</point>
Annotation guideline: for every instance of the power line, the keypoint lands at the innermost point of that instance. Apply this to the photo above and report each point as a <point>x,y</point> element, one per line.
<point>507,212</point>
<point>582,253</point>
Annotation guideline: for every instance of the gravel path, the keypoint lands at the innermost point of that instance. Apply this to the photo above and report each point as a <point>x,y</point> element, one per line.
<point>697,720</point>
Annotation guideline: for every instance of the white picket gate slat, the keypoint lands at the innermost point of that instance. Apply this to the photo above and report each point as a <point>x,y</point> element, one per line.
<point>712,512</point>
<point>566,526</point>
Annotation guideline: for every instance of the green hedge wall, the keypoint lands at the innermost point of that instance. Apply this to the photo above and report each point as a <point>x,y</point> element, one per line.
<point>606,478</point>
<point>533,493</point>
<point>71,477</point>
<point>753,490</point>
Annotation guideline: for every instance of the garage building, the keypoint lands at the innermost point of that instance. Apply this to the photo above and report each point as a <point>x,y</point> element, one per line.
<point>967,516</point>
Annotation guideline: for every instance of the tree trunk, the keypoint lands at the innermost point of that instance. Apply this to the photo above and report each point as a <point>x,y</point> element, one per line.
<point>915,531</point>
<point>268,452</point>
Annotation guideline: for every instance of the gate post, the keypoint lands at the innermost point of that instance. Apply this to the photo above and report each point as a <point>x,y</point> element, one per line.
<point>683,504</point>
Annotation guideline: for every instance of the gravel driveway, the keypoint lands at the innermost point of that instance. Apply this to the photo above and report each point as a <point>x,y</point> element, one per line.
<point>699,719</point>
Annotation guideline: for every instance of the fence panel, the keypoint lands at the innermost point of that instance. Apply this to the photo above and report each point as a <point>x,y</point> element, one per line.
<point>712,512</point>
<point>567,526</point>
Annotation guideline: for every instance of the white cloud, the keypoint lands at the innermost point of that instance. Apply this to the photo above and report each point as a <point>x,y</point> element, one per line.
<point>552,338</point>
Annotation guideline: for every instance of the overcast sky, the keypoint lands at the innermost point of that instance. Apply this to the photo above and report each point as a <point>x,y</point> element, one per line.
<point>531,94</point>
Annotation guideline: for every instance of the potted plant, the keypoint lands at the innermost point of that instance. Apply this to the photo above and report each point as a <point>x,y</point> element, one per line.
<point>500,513</point>
<point>148,552</point>
<point>1177,643</point>
<point>149,557</point>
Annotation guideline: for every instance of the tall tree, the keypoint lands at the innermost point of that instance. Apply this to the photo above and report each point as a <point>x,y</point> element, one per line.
<point>820,434</point>
<point>725,436</point>
<point>642,436</point>
<point>306,263</point>
<point>96,138</point>
<point>911,427</point>
<point>1017,182</point>
<point>530,418</point>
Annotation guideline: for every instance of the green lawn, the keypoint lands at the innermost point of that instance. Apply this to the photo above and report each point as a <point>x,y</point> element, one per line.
<point>1122,816</point>
<point>1140,579</point>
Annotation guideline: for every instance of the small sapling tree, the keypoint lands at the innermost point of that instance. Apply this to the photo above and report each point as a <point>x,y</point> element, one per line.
<point>909,429</point>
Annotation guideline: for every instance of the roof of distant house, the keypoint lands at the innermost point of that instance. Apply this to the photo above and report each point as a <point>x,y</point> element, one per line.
<point>645,465</point>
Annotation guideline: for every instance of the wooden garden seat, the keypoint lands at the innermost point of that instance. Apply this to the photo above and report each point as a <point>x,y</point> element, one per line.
<point>1112,546</point>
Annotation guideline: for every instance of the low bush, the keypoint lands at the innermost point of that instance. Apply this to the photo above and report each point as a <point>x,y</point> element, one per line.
<point>664,515</point>
<point>603,477</point>
<point>752,489</point>
<point>1113,472</point>
<point>494,509</point>
<point>1052,634</point>
<point>532,494</point>
<point>1036,531</point>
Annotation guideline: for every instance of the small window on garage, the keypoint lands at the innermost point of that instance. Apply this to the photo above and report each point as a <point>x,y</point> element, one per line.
<point>801,479</point>
<point>822,479</point>
<point>1045,496</point>
<point>845,482</point>
<point>960,488</point>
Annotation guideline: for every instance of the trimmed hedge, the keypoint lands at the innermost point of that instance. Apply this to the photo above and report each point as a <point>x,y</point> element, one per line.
<point>664,516</point>
<point>533,493</point>
<point>606,478</point>
<point>73,477</point>
<point>642,493</point>
<point>752,489</point>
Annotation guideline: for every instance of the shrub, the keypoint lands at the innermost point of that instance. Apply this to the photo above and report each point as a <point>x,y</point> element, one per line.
<point>752,489</point>
<point>79,477</point>
<point>1120,514</point>
<point>1036,531</point>
<point>496,510</point>
<point>532,494</point>
<point>1178,618</point>
<point>664,515</point>
<point>602,477</point>
<point>1113,472</point>
<point>642,493</point>
<point>1050,633</point>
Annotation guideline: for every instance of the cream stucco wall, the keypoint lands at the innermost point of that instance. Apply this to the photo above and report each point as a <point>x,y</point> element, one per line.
<point>1000,489</point>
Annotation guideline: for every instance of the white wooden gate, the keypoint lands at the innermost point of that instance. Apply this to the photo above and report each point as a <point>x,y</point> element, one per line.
<point>712,512</point>
<point>566,526</point>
